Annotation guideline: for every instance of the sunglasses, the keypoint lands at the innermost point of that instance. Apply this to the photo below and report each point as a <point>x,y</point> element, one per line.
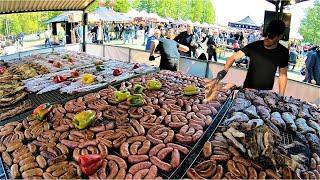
<point>161,29</point>
<point>269,35</point>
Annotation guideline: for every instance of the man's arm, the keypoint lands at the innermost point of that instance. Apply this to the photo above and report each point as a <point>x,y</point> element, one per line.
<point>153,47</point>
<point>283,78</point>
<point>236,56</point>
<point>183,48</point>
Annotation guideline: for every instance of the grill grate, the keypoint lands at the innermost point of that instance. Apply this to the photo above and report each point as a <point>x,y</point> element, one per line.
<point>196,150</point>
<point>285,139</point>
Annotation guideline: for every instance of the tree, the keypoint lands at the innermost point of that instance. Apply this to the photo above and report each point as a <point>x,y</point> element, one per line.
<point>310,25</point>
<point>121,6</point>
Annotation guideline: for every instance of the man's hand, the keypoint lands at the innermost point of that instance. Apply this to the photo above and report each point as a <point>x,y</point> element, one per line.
<point>313,81</point>
<point>192,43</point>
<point>152,58</point>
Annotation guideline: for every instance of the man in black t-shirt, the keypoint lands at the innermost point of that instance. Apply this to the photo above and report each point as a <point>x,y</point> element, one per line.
<point>168,49</point>
<point>265,57</point>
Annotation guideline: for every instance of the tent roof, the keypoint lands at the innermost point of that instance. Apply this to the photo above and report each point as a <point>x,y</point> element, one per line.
<point>67,17</point>
<point>107,14</point>
<point>247,21</point>
<point>17,6</point>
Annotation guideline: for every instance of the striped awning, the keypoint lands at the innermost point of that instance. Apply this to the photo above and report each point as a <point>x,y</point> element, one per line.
<point>16,6</point>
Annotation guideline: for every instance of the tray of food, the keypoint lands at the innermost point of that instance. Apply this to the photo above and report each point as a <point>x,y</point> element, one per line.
<point>138,131</point>
<point>264,136</point>
<point>13,97</point>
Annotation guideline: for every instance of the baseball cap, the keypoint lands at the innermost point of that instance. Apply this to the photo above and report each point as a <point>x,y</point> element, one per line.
<point>275,27</point>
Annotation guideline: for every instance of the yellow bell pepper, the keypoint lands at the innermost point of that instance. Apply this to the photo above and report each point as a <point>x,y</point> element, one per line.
<point>87,78</point>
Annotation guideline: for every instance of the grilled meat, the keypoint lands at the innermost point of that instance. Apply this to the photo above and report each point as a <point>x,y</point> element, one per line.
<point>314,142</point>
<point>289,119</point>
<point>303,127</point>
<point>277,120</point>
<point>251,111</point>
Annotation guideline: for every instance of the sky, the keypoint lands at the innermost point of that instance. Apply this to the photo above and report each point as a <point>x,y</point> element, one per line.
<point>235,10</point>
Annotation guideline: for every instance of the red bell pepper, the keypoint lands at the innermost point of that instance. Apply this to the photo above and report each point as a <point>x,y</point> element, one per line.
<point>90,163</point>
<point>117,72</point>
<point>41,111</point>
<point>74,74</point>
<point>59,79</point>
<point>2,69</point>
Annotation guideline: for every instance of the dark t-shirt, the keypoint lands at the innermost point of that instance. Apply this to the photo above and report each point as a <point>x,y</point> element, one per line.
<point>168,50</point>
<point>263,64</point>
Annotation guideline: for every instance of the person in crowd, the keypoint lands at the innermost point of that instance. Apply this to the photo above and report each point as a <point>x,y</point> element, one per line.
<point>47,36</point>
<point>146,34</point>
<point>100,35</point>
<point>313,67</point>
<point>94,32</point>
<point>162,30</point>
<point>61,36</point>
<point>79,32</point>
<point>212,44</point>
<point>307,60</point>
<point>190,39</point>
<point>235,46</point>
<point>106,31</point>
<point>293,56</point>
<point>117,31</point>
<point>131,33</point>
<point>153,34</point>
<point>251,37</point>
<point>265,58</point>
<point>20,38</point>
<point>126,34</point>
<point>168,49</point>
<point>136,29</point>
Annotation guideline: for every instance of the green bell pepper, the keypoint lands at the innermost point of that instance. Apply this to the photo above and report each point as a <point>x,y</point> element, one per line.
<point>122,95</point>
<point>137,89</point>
<point>100,68</point>
<point>136,100</point>
<point>190,90</point>
<point>84,119</point>
<point>153,85</point>
<point>41,111</point>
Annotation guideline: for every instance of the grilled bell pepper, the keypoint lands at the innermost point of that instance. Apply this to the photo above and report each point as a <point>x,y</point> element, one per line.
<point>90,163</point>
<point>100,68</point>
<point>136,100</point>
<point>117,72</point>
<point>2,69</point>
<point>87,78</point>
<point>74,74</point>
<point>41,111</point>
<point>137,89</point>
<point>122,95</point>
<point>190,90</point>
<point>59,79</point>
<point>84,119</point>
<point>153,85</point>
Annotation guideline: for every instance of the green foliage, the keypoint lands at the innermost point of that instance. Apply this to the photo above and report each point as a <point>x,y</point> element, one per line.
<point>121,6</point>
<point>310,25</point>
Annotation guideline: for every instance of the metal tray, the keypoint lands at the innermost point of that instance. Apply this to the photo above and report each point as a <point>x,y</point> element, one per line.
<point>55,97</point>
<point>194,152</point>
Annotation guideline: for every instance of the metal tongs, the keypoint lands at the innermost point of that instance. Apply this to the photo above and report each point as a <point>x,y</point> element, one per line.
<point>211,89</point>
